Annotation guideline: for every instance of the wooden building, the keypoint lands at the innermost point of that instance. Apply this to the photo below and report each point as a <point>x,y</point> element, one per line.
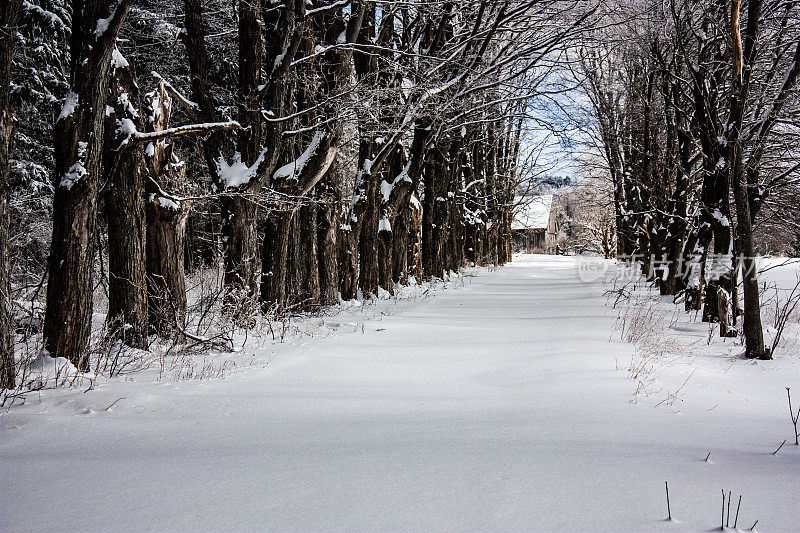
<point>534,227</point>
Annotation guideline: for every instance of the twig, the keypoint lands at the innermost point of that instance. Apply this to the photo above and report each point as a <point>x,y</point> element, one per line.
<point>754,525</point>
<point>728,522</point>
<point>671,397</point>
<point>40,285</point>
<point>669,513</point>
<point>736,521</point>
<point>722,522</point>
<point>115,401</point>
<point>707,456</point>
<point>779,447</point>
<point>793,416</point>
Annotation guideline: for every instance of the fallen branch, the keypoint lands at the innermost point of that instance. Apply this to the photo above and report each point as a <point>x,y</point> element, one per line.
<point>224,344</point>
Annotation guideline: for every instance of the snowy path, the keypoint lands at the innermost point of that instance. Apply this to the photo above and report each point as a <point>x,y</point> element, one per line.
<point>493,406</point>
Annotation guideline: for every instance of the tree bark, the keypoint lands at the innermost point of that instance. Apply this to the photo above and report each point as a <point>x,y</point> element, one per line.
<point>331,69</point>
<point>348,263</point>
<point>677,225</point>
<point>125,212</point>
<point>127,288</point>
<point>402,231</point>
<point>719,275</point>
<point>273,260</point>
<point>394,195</point>
<point>9,12</point>
<point>328,256</point>
<point>455,223</point>
<point>695,253</point>
<point>415,235</point>
<point>166,279</point>
<point>240,236</point>
<point>303,279</point>
<point>349,271</point>
<point>434,213</point>
<point>368,240</point>
<point>328,221</point>
<point>492,208</point>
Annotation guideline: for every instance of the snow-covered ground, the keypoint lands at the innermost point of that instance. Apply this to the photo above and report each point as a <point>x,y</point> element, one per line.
<point>508,403</point>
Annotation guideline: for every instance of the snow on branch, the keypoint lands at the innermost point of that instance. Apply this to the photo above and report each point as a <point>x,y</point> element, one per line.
<point>291,171</point>
<point>107,28</point>
<point>328,7</point>
<point>237,173</point>
<point>70,105</point>
<point>52,18</point>
<point>134,137</point>
<point>190,106</point>
<point>189,128</point>
<point>387,187</point>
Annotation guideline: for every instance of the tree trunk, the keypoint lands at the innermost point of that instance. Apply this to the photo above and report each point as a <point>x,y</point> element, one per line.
<point>166,279</point>
<point>719,275</point>
<point>127,288</point>
<point>492,208</point>
<point>385,248</point>
<point>78,135</point>
<point>398,194</point>
<point>402,231</point>
<point>695,254</point>
<point>167,218</point>
<point>240,236</point>
<point>273,260</point>
<point>434,213</point>
<point>312,166</point>
<point>239,227</point>
<point>455,206</point>
<point>348,263</point>
<point>415,246</point>
<point>368,240</point>
<point>352,235</point>
<point>471,204</point>
<point>303,271</point>
<point>328,237</point>
<point>8,18</point>
<point>395,193</point>
<point>124,171</point>
<point>475,202</point>
<point>753,329</point>
<point>678,210</point>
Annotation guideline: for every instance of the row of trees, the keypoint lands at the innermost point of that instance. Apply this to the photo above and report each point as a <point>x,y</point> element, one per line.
<point>339,148</point>
<point>697,116</point>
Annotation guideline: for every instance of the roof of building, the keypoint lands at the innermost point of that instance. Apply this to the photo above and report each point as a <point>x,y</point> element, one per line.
<point>532,212</point>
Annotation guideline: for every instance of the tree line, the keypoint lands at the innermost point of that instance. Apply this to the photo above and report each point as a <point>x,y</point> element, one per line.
<point>318,150</point>
<point>697,118</point>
